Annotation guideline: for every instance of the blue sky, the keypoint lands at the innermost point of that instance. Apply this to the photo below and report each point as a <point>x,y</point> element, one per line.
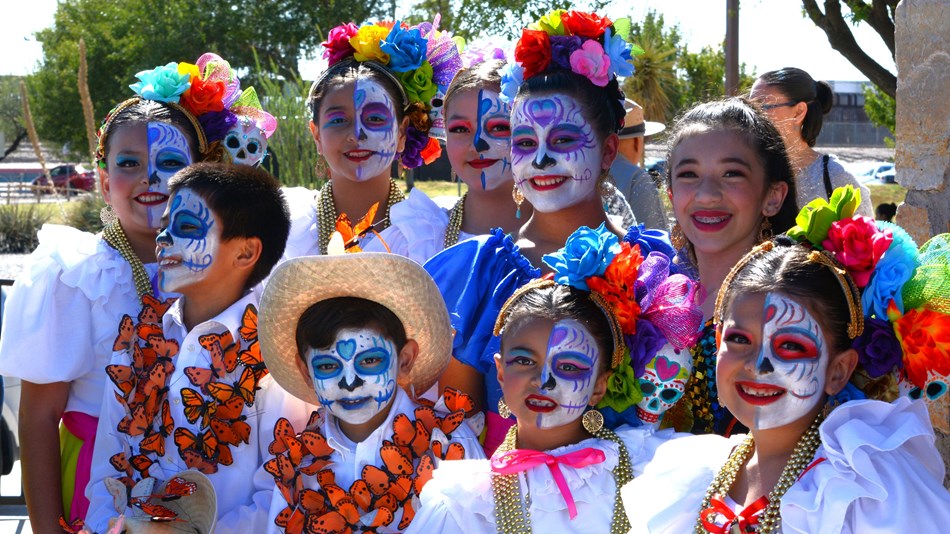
<point>772,34</point>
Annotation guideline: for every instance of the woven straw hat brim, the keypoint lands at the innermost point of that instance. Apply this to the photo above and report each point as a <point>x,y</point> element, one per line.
<point>199,510</point>
<point>396,282</point>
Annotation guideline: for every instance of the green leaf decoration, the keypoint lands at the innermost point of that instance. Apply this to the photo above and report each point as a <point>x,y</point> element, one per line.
<point>845,201</point>
<point>623,387</point>
<point>622,28</point>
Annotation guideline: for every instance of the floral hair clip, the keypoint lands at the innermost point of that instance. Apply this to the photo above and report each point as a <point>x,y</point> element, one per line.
<point>903,295</point>
<point>652,305</point>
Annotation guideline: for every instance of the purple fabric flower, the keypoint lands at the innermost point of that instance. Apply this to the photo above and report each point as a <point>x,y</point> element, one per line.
<point>562,46</point>
<point>217,124</point>
<point>411,156</point>
<point>643,345</point>
<point>879,351</point>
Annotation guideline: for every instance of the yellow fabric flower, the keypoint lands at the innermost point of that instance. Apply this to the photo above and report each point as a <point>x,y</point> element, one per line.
<point>188,68</point>
<point>366,43</point>
<point>550,23</point>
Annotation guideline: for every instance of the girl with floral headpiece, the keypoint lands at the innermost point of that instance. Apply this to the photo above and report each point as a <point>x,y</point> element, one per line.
<point>566,111</point>
<point>820,331</point>
<point>369,109</point>
<point>574,352</point>
<point>62,313</point>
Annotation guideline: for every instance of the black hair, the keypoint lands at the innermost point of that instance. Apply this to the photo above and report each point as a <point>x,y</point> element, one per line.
<point>480,76</point>
<point>602,106</point>
<point>740,115</point>
<point>885,211</point>
<point>145,111</point>
<point>798,86</point>
<point>320,323</point>
<point>557,302</point>
<point>249,203</point>
<point>350,70</point>
<point>786,269</point>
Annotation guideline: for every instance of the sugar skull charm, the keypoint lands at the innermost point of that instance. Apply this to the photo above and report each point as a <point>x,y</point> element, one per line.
<point>663,383</point>
<point>246,142</point>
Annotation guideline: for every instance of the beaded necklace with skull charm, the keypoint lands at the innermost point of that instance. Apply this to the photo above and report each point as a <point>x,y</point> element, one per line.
<point>770,519</point>
<point>326,211</point>
<point>512,517</point>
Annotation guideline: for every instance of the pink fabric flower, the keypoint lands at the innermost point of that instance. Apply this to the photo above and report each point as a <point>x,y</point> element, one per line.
<point>591,61</point>
<point>858,245</point>
<point>337,46</point>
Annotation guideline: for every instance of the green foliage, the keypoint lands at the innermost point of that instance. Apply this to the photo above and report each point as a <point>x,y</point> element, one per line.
<point>11,108</point>
<point>84,213</point>
<point>18,226</point>
<point>881,108</point>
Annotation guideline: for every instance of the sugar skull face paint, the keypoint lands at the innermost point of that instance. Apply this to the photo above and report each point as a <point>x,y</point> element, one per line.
<point>790,365</point>
<point>555,154</point>
<point>246,142</point>
<point>663,383</point>
<point>492,140</point>
<point>373,127</point>
<point>168,152</point>
<point>355,378</point>
<point>187,247</point>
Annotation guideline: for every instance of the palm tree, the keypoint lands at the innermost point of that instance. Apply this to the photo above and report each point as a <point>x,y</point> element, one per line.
<point>654,79</point>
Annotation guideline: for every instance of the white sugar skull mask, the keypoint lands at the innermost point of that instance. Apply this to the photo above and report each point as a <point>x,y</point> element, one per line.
<point>663,383</point>
<point>246,142</point>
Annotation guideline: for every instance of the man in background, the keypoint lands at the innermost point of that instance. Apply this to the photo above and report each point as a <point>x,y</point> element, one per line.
<point>635,183</point>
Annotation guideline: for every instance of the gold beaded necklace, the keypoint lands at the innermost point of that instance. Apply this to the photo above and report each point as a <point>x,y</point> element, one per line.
<point>771,518</point>
<point>513,518</point>
<point>326,211</point>
<point>116,238</point>
<point>454,229</point>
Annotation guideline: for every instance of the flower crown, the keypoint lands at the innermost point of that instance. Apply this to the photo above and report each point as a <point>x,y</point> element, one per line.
<point>583,43</point>
<point>650,305</point>
<point>419,59</point>
<point>899,296</point>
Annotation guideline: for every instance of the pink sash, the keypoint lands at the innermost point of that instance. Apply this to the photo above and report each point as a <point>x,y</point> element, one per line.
<point>520,460</point>
<point>83,426</point>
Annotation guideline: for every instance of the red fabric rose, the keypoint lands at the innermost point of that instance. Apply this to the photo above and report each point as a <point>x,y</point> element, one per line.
<point>204,96</point>
<point>533,52</point>
<point>584,24</point>
<point>858,245</point>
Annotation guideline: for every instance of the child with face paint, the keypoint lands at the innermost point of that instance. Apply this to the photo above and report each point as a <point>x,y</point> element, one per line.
<point>573,351</point>
<point>359,335</point>
<point>564,121</point>
<point>818,350</point>
<point>190,388</point>
<point>370,107</point>
<point>62,313</point>
<point>731,186</point>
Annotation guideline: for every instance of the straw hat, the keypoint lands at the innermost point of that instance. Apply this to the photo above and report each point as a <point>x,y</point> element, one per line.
<point>396,282</point>
<point>633,123</point>
<point>197,512</point>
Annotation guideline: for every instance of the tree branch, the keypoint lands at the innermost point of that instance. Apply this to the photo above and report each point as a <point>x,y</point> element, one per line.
<point>878,16</point>
<point>14,145</point>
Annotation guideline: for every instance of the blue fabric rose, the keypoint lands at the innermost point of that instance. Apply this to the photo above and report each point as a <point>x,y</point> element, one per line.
<point>879,350</point>
<point>512,76</point>
<point>587,253</point>
<point>893,270</point>
<point>406,48</point>
<point>849,393</point>
<point>163,84</point>
<point>650,240</point>
<point>618,49</point>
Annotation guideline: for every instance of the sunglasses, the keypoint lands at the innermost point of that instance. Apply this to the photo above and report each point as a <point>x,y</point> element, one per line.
<point>788,104</point>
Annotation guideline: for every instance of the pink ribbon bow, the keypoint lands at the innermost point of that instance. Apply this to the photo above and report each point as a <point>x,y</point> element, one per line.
<point>519,460</point>
<point>747,518</point>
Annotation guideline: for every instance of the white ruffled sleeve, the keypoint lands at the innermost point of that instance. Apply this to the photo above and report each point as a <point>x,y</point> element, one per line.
<point>457,499</point>
<point>417,229</point>
<point>304,226</point>
<point>880,473</point>
<point>63,312</point>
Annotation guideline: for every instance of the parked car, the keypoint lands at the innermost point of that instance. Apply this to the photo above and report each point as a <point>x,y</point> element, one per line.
<point>67,178</point>
<point>886,175</point>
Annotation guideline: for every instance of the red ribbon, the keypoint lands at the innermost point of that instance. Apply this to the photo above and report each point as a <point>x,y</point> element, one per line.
<point>745,520</point>
<point>519,460</point>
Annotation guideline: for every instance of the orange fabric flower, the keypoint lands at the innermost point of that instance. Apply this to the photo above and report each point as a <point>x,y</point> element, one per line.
<point>432,151</point>
<point>204,96</point>
<point>584,24</point>
<point>925,338</point>
<point>618,286</point>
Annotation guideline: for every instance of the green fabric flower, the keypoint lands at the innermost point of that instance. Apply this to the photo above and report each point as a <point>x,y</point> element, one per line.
<point>814,220</point>
<point>550,23</point>
<point>623,388</point>
<point>418,83</point>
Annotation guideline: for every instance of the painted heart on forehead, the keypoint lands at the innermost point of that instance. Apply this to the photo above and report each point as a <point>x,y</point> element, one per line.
<point>543,111</point>
<point>345,348</point>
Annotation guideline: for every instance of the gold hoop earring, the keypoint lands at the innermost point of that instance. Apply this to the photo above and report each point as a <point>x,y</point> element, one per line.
<point>518,197</point>
<point>593,421</point>
<point>765,230</point>
<point>107,215</point>
<point>503,409</point>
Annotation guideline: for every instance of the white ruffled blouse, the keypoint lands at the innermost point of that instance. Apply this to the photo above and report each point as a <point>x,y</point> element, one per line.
<point>879,471</point>
<point>61,316</point>
<point>459,497</point>
<point>417,230</point>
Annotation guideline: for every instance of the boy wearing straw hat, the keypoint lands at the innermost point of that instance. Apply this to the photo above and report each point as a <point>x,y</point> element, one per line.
<point>360,335</point>
<point>632,180</point>
<point>191,390</point>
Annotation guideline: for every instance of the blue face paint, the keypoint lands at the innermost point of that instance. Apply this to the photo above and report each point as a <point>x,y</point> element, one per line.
<point>188,245</point>
<point>168,153</point>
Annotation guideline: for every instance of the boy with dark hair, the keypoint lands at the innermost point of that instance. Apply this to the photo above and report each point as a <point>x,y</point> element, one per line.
<point>191,390</point>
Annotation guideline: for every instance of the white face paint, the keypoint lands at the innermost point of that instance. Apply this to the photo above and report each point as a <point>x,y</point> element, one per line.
<point>492,140</point>
<point>168,152</point>
<point>187,247</point>
<point>567,377</point>
<point>555,153</point>
<point>790,368</point>
<point>663,383</point>
<point>246,142</point>
<point>355,378</point>
<point>375,129</point>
